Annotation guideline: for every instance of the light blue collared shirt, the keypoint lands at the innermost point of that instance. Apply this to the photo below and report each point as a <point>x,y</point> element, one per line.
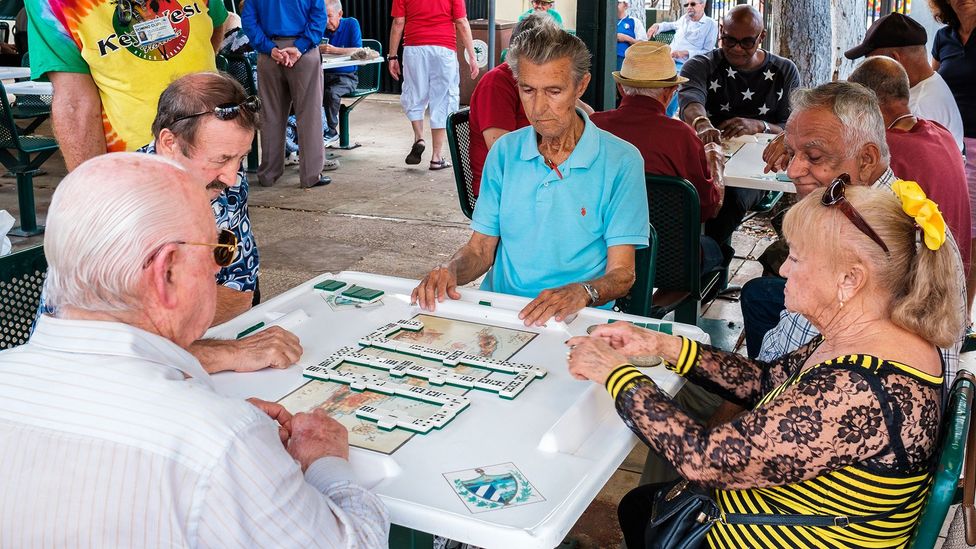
<point>554,231</point>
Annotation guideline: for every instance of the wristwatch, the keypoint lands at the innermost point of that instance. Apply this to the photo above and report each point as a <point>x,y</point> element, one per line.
<point>590,291</point>
<point>392,57</point>
<point>765,126</point>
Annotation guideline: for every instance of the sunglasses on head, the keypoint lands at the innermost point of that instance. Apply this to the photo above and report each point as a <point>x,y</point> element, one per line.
<point>835,195</point>
<point>229,111</point>
<point>225,250</point>
<point>746,43</point>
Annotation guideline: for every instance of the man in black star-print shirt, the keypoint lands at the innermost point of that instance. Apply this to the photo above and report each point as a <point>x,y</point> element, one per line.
<point>736,89</point>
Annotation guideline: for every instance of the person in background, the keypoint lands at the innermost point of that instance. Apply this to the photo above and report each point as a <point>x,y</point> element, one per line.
<point>903,39</point>
<point>543,7</point>
<point>694,34</point>
<point>345,37</point>
<point>629,31</point>
<point>431,77</point>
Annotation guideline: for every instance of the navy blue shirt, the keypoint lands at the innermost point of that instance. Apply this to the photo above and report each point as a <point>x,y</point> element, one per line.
<point>264,19</point>
<point>957,66</point>
<point>346,35</point>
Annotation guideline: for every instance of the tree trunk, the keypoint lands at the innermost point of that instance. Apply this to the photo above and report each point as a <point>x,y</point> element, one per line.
<point>636,10</point>
<point>849,21</point>
<point>675,12</point>
<point>805,37</point>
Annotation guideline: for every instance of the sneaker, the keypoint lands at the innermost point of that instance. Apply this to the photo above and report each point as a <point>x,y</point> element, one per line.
<point>291,159</point>
<point>331,138</point>
<point>330,164</point>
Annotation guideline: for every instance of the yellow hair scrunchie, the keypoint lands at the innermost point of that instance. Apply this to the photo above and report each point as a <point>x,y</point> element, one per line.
<point>925,212</point>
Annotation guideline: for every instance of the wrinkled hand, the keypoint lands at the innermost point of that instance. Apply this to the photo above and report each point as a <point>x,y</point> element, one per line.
<point>628,339</point>
<point>394,67</point>
<point>474,70</point>
<point>555,303</point>
<point>278,413</point>
<point>653,30</point>
<point>592,358</point>
<point>315,435</point>
<point>278,56</point>
<point>715,157</point>
<point>775,155</point>
<point>438,285</point>
<point>734,127</point>
<point>679,54</point>
<point>292,54</point>
<point>328,48</point>
<point>274,347</point>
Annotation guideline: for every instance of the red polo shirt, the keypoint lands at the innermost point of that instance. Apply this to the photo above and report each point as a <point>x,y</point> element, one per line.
<point>495,103</point>
<point>669,146</point>
<point>429,22</point>
<point>928,155</point>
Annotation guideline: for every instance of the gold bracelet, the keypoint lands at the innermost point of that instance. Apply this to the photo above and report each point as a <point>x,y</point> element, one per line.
<point>694,123</point>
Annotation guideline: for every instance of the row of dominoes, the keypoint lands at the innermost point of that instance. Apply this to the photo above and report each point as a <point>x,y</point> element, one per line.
<point>449,358</point>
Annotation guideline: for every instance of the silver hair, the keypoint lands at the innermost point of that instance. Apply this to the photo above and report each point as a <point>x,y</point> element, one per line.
<point>337,4</point>
<point>105,218</point>
<point>855,106</point>
<point>656,93</point>
<point>546,43</point>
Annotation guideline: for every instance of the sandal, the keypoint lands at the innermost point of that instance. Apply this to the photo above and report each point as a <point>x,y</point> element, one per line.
<point>439,164</point>
<point>415,151</point>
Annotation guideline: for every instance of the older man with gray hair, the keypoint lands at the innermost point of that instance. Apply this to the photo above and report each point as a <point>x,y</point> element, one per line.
<point>562,205</point>
<point>104,403</point>
<point>834,129</point>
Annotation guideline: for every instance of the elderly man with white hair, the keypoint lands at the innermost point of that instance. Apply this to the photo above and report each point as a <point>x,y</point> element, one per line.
<point>112,430</point>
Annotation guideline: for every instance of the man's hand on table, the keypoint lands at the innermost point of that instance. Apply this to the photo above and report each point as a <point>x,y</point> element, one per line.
<point>273,347</point>
<point>707,132</point>
<point>315,435</point>
<point>278,413</point>
<point>775,155</point>
<point>556,303</point>
<point>734,127</point>
<point>438,285</point>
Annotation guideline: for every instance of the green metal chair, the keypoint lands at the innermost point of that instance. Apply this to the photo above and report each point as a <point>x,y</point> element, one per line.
<point>952,445</point>
<point>21,280</point>
<point>675,212</point>
<point>665,37</point>
<point>369,83</point>
<point>22,156</point>
<point>459,144</point>
<point>638,300</point>
<point>241,68</point>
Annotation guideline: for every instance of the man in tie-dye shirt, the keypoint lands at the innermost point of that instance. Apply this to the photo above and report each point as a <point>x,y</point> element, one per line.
<point>109,60</point>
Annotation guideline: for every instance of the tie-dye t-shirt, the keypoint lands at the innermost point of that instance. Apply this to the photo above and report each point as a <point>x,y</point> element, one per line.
<point>131,64</point>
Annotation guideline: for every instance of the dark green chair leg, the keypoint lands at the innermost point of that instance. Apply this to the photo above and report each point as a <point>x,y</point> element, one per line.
<point>25,200</point>
<point>687,312</point>
<point>405,538</point>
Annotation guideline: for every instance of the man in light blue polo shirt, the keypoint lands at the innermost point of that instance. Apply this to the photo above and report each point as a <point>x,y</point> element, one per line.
<point>563,203</point>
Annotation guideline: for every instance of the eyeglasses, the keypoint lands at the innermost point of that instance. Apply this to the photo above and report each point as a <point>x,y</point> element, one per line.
<point>225,250</point>
<point>229,111</point>
<point>746,43</point>
<point>835,196</point>
<point>543,2</point>
<point>689,5</point>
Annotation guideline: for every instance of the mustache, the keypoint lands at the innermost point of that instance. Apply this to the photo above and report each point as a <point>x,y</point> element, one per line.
<point>216,186</point>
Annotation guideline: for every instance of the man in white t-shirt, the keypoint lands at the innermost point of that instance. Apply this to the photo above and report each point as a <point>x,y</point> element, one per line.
<point>695,32</point>
<point>903,39</point>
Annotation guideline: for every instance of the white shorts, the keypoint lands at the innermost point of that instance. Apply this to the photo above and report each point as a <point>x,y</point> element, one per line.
<point>430,79</point>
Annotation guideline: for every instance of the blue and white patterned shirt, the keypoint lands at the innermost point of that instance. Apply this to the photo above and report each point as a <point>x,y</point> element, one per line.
<point>794,330</point>
<point>230,211</point>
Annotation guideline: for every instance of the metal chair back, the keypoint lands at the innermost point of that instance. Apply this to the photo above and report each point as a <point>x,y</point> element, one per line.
<point>369,75</point>
<point>22,277</point>
<point>459,144</point>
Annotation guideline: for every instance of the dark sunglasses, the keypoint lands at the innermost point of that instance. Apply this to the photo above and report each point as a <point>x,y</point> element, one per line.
<point>835,196</point>
<point>225,250</point>
<point>229,111</point>
<point>689,4</point>
<point>746,43</point>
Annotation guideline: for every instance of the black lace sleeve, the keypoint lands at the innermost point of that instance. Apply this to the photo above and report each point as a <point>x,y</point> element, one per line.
<point>829,419</point>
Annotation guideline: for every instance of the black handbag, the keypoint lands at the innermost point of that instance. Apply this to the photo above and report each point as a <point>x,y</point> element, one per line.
<point>683,512</point>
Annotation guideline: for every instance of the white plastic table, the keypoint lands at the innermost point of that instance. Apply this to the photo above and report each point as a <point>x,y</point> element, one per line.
<point>330,61</point>
<point>8,73</point>
<point>564,435</point>
<point>29,88</point>
<point>745,168</point>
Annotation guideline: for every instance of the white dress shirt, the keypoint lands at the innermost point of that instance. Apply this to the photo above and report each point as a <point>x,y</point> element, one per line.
<point>113,437</point>
<point>931,99</point>
<point>694,36</point>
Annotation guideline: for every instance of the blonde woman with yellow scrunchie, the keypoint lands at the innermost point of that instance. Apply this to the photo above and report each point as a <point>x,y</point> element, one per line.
<point>844,426</point>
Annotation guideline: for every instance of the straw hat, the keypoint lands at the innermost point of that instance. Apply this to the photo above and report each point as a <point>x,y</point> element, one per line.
<point>648,65</point>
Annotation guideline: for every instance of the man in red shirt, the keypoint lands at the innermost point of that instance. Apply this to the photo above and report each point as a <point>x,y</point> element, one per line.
<point>921,150</point>
<point>430,68</point>
<point>647,81</point>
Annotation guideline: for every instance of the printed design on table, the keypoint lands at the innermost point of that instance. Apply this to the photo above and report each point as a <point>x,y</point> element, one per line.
<point>493,487</point>
<point>342,402</point>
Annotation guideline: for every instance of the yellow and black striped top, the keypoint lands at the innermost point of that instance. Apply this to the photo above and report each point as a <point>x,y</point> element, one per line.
<point>852,490</point>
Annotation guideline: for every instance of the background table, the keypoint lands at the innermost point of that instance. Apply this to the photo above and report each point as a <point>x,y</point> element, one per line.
<point>7,73</point>
<point>745,168</point>
<point>29,88</point>
<point>564,435</point>
<point>330,61</point>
